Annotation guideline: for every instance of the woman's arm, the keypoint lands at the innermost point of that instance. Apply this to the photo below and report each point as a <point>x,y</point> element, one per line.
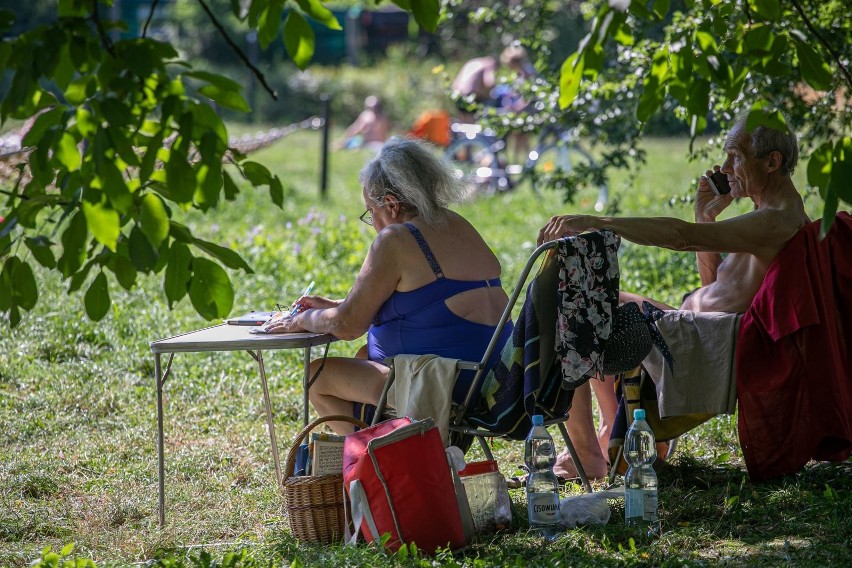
<point>375,283</point>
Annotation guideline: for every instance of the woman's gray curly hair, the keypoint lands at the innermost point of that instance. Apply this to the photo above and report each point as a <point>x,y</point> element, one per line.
<point>416,175</point>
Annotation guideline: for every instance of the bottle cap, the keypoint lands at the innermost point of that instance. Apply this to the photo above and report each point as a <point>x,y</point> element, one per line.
<point>639,414</point>
<point>538,419</point>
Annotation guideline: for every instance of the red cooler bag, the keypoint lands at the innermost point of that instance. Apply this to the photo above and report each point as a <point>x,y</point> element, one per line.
<point>399,482</point>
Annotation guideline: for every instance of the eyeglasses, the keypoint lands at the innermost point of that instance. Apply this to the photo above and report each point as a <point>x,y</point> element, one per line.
<point>367,216</point>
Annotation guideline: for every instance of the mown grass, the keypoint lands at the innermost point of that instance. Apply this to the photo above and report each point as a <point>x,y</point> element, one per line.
<point>77,407</point>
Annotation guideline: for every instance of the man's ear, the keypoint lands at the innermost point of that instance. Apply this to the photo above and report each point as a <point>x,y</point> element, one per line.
<point>774,163</point>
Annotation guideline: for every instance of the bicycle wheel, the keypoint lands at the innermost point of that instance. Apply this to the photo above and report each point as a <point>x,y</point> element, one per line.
<point>477,165</point>
<point>563,158</point>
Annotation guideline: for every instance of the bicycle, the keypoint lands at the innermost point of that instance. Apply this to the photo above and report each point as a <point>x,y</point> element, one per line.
<point>479,155</point>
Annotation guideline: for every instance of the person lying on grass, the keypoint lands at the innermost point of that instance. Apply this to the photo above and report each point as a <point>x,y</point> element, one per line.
<point>429,285</point>
<point>758,166</point>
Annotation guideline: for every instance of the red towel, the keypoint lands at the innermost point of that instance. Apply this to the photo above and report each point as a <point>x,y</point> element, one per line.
<point>794,357</point>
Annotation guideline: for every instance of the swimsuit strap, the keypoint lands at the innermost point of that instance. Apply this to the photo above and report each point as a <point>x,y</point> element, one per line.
<point>427,252</point>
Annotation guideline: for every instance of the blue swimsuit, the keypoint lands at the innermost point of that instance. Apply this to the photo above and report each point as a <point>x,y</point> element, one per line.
<point>418,322</point>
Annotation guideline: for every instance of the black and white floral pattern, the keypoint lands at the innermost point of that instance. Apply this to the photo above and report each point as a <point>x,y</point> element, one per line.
<point>588,297</point>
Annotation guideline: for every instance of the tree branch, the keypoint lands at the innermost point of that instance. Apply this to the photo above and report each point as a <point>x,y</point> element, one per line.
<point>238,51</point>
<point>96,17</point>
<point>822,41</point>
<point>150,15</point>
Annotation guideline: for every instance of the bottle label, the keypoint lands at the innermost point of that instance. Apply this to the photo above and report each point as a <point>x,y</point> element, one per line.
<point>640,504</point>
<point>543,508</point>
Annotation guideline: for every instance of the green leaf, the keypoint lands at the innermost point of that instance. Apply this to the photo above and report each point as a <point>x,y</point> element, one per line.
<point>829,211</point>
<point>210,289</point>
<point>256,173</point>
<point>661,8</point>
<point>650,99</point>
<point>623,35</point>
<point>231,189</point>
<point>426,13</point>
<point>323,15</point>
<point>153,219</point>
<point>180,177</point>
<point>116,112</point>
<point>762,114</point>
<point>18,278</point>
<point>142,254</point>
<point>87,126</point>
<point>224,83</point>
<point>79,277</point>
<point>103,223</point>
<point>269,23</point>
<point>815,71</point>
<point>44,121</point>
<point>123,269</point>
<point>229,99</point>
<point>767,9</point>
<point>97,300</point>
<point>178,273</point>
<point>113,185</point>
<point>570,78</point>
<point>73,245</point>
<point>41,251</point>
<point>276,191</point>
<point>180,232</point>
<point>698,101</point>
<point>66,152</point>
<point>226,256</point>
<point>122,145</point>
<point>819,167</point>
<point>841,170</point>
<point>298,39</point>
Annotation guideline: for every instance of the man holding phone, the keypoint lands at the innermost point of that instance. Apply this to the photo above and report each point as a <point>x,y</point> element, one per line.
<point>758,166</point>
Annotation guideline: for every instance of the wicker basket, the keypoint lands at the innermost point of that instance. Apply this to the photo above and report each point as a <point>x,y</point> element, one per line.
<point>314,503</point>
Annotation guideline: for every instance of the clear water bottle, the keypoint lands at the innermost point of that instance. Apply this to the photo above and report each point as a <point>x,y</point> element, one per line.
<point>542,485</point>
<point>640,483</point>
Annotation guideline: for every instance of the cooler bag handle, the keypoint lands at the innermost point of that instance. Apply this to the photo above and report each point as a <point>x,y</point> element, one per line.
<point>360,512</point>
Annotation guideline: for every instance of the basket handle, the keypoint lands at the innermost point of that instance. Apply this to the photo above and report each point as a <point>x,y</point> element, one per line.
<point>290,465</point>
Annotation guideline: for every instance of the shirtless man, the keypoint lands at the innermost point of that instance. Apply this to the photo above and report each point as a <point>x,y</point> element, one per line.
<point>758,166</point>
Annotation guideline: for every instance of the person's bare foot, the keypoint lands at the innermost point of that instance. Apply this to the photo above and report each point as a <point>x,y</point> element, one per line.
<point>594,466</point>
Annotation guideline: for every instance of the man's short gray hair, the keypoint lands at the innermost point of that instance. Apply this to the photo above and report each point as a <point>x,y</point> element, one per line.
<point>416,175</point>
<point>766,139</point>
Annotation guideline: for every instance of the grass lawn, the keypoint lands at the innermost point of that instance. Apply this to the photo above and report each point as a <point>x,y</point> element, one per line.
<point>78,410</point>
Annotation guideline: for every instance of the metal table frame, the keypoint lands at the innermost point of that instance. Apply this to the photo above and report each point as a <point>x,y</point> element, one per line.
<point>223,338</point>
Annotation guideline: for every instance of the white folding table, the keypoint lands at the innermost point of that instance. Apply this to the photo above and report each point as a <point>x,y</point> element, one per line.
<point>222,338</point>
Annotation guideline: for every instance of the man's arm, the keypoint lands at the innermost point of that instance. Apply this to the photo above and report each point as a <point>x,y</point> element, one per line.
<point>761,232</point>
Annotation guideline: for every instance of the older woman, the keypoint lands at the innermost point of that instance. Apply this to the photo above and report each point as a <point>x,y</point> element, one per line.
<point>429,285</point>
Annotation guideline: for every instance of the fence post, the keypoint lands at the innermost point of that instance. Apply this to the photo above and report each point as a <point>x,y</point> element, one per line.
<point>326,119</point>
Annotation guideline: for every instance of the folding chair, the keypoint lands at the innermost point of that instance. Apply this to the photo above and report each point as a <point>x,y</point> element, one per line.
<point>552,400</point>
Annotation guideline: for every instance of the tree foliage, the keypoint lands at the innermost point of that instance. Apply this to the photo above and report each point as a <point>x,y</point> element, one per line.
<point>122,135</point>
<point>710,61</point>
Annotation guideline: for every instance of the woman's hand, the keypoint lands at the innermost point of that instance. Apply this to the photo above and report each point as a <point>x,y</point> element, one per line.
<point>708,205</point>
<point>314,302</point>
<point>286,324</point>
<point>564,226</point>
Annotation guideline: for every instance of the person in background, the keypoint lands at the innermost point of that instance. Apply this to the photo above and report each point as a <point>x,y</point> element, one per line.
<point>371,128</point>
<point>430,284</point>
<point>758,165</point>
<point>476,81</point>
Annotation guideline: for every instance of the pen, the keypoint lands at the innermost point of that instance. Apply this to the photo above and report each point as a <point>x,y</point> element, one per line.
<point>307,291</point>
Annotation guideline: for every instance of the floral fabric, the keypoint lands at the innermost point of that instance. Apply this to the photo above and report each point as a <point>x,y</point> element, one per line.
<point>588,296</point>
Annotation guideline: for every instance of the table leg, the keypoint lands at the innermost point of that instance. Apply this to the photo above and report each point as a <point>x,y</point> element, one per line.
<point>306,364</point>
<point>160,467</point>
<point>269,420</point>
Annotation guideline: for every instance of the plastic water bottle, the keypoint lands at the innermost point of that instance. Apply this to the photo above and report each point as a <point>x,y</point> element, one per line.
<point>542,485</point>
<point>640,483</point>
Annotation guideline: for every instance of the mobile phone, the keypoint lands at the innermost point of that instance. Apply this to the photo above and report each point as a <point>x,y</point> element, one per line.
<point>719,182</point>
